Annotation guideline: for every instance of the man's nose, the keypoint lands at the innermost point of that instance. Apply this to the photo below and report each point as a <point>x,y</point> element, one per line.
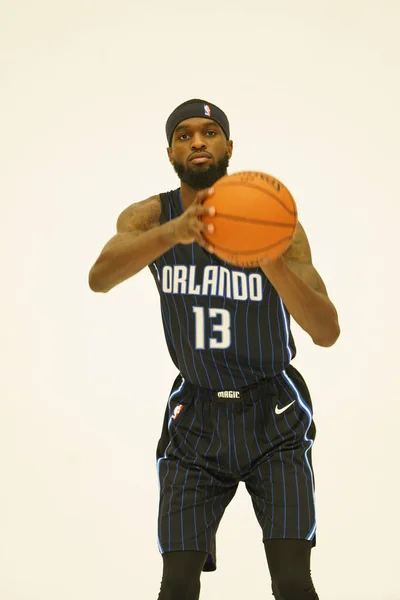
<point>198,142</point>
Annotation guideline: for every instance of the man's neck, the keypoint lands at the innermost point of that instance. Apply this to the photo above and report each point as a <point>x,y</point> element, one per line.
<point>188,195</point>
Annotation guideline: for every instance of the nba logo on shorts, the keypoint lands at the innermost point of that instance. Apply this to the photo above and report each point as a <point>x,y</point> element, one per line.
<point>207,110</point>
<point>177,411</point>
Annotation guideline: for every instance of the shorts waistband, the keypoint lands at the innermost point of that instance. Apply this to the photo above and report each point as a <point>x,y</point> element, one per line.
<point>247,394</point>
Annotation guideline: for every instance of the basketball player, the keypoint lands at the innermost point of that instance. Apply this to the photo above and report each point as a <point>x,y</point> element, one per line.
<point>238,409</point>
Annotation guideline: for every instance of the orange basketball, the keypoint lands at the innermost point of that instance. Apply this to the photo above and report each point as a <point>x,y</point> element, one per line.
<point>255,216</point>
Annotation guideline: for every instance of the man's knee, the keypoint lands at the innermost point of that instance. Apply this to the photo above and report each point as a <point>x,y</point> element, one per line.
<point>181,575</point>
<point>289,565</point>
<point>293,586</point>
<point>179,585</point>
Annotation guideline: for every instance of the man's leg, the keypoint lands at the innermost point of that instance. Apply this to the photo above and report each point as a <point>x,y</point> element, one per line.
<point>282,484</point>
<point>194,490</point>
<point>181,575</point>
<point>289,566</point>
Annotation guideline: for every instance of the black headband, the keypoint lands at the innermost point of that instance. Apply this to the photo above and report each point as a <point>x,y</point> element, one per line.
<point>196,109</point>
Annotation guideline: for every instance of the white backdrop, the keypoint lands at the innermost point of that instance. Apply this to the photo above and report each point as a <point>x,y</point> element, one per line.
<point>312,92</point>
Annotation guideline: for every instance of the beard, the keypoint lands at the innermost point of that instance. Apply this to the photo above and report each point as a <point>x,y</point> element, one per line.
<point>200,178</point>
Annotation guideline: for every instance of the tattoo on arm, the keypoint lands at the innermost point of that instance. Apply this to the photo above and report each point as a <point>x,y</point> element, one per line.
<point>308,273</point>
<point>299,249</point>
<point>298,258</point>
<point>140,216</point>
<point>153,215</point>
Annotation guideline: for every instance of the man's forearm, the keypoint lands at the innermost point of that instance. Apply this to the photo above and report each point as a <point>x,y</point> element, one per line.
<point>127,254</point>
<point>313,311</point>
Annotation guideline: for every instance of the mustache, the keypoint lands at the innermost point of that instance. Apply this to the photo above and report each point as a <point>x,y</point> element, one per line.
<point>201,179</point>
<point>200,155</point>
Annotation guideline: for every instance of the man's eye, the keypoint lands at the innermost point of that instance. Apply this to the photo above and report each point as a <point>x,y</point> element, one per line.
<point>185,136</point>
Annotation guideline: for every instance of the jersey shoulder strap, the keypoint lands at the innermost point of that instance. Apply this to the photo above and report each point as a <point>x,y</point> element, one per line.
<point>171,205</point>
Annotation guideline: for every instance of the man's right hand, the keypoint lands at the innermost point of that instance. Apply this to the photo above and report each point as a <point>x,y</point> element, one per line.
<point>141,240</point>
<point>188,227</point>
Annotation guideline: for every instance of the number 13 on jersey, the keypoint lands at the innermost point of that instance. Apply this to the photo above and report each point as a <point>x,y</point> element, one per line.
<point>220,324</point>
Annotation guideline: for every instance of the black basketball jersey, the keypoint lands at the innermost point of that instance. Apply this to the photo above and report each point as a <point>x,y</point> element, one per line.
<point>225,326</point>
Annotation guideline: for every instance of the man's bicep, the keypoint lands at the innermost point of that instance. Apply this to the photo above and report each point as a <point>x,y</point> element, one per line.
<point>140,216</point>
<point>309,274</point>
<point>299,259</point>
<point>299,249</point>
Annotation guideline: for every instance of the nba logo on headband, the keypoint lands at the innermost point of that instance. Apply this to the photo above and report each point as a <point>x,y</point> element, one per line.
<point>192,109</point>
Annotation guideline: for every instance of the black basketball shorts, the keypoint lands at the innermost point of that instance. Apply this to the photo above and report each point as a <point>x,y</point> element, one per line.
<point>212,440</point>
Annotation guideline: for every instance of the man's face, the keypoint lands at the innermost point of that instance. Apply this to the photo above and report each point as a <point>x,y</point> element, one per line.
<point>199,152</point>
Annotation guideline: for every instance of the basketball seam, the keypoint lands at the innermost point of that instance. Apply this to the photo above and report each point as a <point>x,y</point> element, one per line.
<point>258,187</point>
<point>251,220</point>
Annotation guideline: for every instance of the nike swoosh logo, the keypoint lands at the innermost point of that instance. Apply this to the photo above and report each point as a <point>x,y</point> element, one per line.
<point>279,411</point>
